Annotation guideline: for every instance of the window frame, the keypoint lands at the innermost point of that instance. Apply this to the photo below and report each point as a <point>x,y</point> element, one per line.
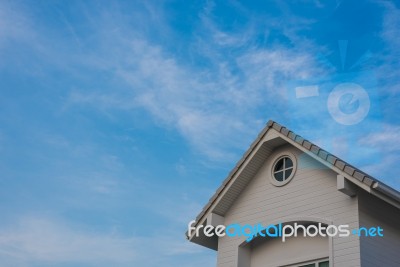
<point>283,155</point>
<point>315,262</point>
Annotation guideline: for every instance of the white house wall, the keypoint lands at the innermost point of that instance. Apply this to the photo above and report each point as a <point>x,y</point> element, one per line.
<point>379,251</point>
<point>274,252</point>
<point>312,193</point>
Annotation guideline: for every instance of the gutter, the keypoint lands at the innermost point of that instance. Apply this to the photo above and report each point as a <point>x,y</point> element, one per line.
<point>387,190</point>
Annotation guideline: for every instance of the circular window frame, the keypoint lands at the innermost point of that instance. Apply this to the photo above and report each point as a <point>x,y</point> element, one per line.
<point>292,157</point>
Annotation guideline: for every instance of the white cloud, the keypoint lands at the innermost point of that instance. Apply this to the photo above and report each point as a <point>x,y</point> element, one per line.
<point>49,242</point>
<point>40,240</point>
<point>390,31</point>
<point>212,107</point>
<point>387,140</point>
<point>388,66</point>
<point>13,24</point>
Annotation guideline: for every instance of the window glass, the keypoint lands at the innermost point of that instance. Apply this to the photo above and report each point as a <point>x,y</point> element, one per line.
<point>315,263</point>
<point>288,173</point>
<point>279,176</point>
<point>279,165</point>
<point>288,163</point>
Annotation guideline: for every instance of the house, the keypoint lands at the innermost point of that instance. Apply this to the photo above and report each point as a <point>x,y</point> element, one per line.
<point>285,180</point>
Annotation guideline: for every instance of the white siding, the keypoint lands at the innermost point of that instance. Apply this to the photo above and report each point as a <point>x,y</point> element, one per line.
<point>273,252</point>
<point>311,193</point>
<point>379,251</point>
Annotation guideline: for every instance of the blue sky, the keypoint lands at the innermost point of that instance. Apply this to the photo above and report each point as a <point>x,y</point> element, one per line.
<point>120,119</point>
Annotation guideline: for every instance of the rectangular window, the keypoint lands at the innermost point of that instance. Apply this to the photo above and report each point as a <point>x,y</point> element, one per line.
<point>314,263</point>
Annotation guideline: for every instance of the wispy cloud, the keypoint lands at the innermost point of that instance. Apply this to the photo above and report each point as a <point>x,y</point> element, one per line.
<point>35,241</point>
<point>390,32</point>
<point>213,108</point>
<point>386,61</point>
<point>14,25</point>
<point>387,140</point>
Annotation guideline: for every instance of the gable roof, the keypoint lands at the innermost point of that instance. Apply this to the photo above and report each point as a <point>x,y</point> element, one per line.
<point>355,175</point>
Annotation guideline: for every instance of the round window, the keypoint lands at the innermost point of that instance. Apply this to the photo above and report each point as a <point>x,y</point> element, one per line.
<point>283,170</point>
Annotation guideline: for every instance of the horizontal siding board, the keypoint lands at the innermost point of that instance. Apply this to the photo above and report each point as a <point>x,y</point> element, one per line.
<point>301,205</point>
<point>300,187</point>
